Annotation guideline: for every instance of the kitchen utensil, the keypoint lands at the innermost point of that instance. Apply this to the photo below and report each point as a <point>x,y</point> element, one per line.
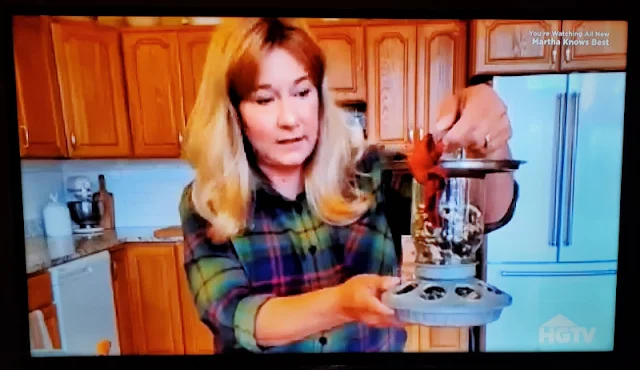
<point>108,220</point>
<point>168,232</point>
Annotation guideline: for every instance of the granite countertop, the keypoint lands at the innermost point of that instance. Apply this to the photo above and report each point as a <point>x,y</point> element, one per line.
<point>44,252</point>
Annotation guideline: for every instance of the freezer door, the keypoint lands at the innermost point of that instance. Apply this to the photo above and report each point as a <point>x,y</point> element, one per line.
<point>556,307</point>
<point>593,167</point>
<point>536,107</point>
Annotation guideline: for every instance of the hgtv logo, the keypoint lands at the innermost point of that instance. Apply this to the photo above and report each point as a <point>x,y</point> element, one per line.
<point>561,330</point>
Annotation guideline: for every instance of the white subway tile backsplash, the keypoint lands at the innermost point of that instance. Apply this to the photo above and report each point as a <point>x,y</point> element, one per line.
<point>146,192</point>
<point>29,166</point>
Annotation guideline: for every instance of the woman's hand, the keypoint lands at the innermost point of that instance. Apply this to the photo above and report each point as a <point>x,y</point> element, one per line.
<point>360,300</point>
<point>422,161</point>
<point>474,119</point>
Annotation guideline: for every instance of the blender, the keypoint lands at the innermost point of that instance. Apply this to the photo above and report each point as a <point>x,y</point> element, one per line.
<point>85,212</point>
<point>447,230</point>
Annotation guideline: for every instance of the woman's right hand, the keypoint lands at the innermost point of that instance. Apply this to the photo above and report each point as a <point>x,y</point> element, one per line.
<point>360,300</point>
<point>424,158</point>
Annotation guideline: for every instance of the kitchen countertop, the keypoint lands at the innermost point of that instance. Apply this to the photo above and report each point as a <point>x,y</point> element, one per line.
<point>44,252</point>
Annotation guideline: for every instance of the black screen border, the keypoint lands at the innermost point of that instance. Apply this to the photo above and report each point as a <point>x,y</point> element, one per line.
<point>13,274</point>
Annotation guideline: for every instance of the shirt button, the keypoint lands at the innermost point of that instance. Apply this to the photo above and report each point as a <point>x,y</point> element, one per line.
<point>322,341</point>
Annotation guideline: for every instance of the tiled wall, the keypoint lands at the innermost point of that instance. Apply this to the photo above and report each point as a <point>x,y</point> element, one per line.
<point>146,192</point>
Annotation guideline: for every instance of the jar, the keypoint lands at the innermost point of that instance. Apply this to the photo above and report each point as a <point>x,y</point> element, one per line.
<point>57,221</point>
<point>447,222</point>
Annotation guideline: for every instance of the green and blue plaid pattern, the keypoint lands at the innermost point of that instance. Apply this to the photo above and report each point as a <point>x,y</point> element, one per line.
<point>286,251</point>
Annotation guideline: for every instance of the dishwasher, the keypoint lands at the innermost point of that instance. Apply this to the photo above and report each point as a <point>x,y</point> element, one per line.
<point>83,296</point>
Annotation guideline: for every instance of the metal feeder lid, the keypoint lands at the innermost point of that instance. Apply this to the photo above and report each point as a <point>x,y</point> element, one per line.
<point>478,167</point>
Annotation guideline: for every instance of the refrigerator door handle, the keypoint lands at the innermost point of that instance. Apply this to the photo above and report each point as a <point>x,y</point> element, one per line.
<point>558,273</point>
<point>556,191</point>
<point>572,145</point>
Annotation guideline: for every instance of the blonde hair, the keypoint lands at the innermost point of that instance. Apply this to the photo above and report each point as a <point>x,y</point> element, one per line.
<point>223,185</point>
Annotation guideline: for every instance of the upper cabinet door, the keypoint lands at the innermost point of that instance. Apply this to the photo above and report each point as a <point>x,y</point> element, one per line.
<point>41,127</point>
<point>343,46</point>
<point>603,46</point>
<point>441,69</point>
<point>194,45</point>
<point>152,65</point>
<point>91,81</point>
<point>514,46</point>
<point>391,79</point>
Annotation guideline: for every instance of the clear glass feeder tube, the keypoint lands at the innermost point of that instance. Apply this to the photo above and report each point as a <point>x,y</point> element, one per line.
<point>447,227</point>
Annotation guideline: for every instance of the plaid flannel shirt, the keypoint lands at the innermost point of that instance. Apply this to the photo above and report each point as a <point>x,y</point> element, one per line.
<point>285,251</point>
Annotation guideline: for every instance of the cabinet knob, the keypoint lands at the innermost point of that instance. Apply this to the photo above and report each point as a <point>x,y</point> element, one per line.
<point>26,135</point>
<point>73,140</point>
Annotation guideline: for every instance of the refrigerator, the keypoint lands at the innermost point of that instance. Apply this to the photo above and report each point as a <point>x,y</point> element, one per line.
<point>557,257</point>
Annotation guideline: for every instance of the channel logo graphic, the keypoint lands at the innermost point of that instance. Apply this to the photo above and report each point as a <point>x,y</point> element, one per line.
<point>561,330</point>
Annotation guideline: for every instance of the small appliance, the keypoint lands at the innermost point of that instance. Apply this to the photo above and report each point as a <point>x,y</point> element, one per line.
<point>85,212</point>
<point>447,228</point>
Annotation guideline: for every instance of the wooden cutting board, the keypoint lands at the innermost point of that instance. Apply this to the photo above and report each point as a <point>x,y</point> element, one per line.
<point>168,232</point>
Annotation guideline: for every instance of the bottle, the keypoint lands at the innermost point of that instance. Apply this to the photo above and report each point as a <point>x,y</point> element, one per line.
<point>57,221</point>
<point>108,219</point>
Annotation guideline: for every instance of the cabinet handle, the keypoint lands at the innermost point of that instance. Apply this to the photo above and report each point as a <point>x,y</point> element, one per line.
<point>114,271</point>
<point>180,138</point>
<point>411,135</point>
<point>73,140</point>
<point>567,55</point>
<point>554,56</point>
<point>26,135</point>
<point>421,133</point>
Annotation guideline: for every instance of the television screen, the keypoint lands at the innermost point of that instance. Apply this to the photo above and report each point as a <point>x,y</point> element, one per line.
<point>217,185</point>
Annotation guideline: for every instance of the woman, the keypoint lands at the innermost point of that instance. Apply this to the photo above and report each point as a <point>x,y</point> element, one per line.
<point>287,245</point>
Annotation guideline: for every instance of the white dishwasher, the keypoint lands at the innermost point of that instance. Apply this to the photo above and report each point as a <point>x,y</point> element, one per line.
<point>83,295</point>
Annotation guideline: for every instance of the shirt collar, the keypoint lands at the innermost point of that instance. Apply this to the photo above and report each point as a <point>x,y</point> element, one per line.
<point>268,196</point>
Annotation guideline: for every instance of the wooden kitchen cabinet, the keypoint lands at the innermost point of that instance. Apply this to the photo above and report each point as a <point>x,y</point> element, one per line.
<point>411,67</point>
<point>610,53</point>
<point>523,46</point>
<point>194,45</point>
<point>343,45</point>
<point>152,68</point>
<point>198,339</point>
<point>163,68</point>
<point>90,76</point>
<point>40,296</point>
<point>147,299</point>
<point>436,339</point>
<point>41,127</point>
<point>155,310</point>
<point>506,46</point>
<point>430,339</point>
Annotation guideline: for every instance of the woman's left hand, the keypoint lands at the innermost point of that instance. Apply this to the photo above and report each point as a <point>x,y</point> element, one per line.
<point>474,119</point>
